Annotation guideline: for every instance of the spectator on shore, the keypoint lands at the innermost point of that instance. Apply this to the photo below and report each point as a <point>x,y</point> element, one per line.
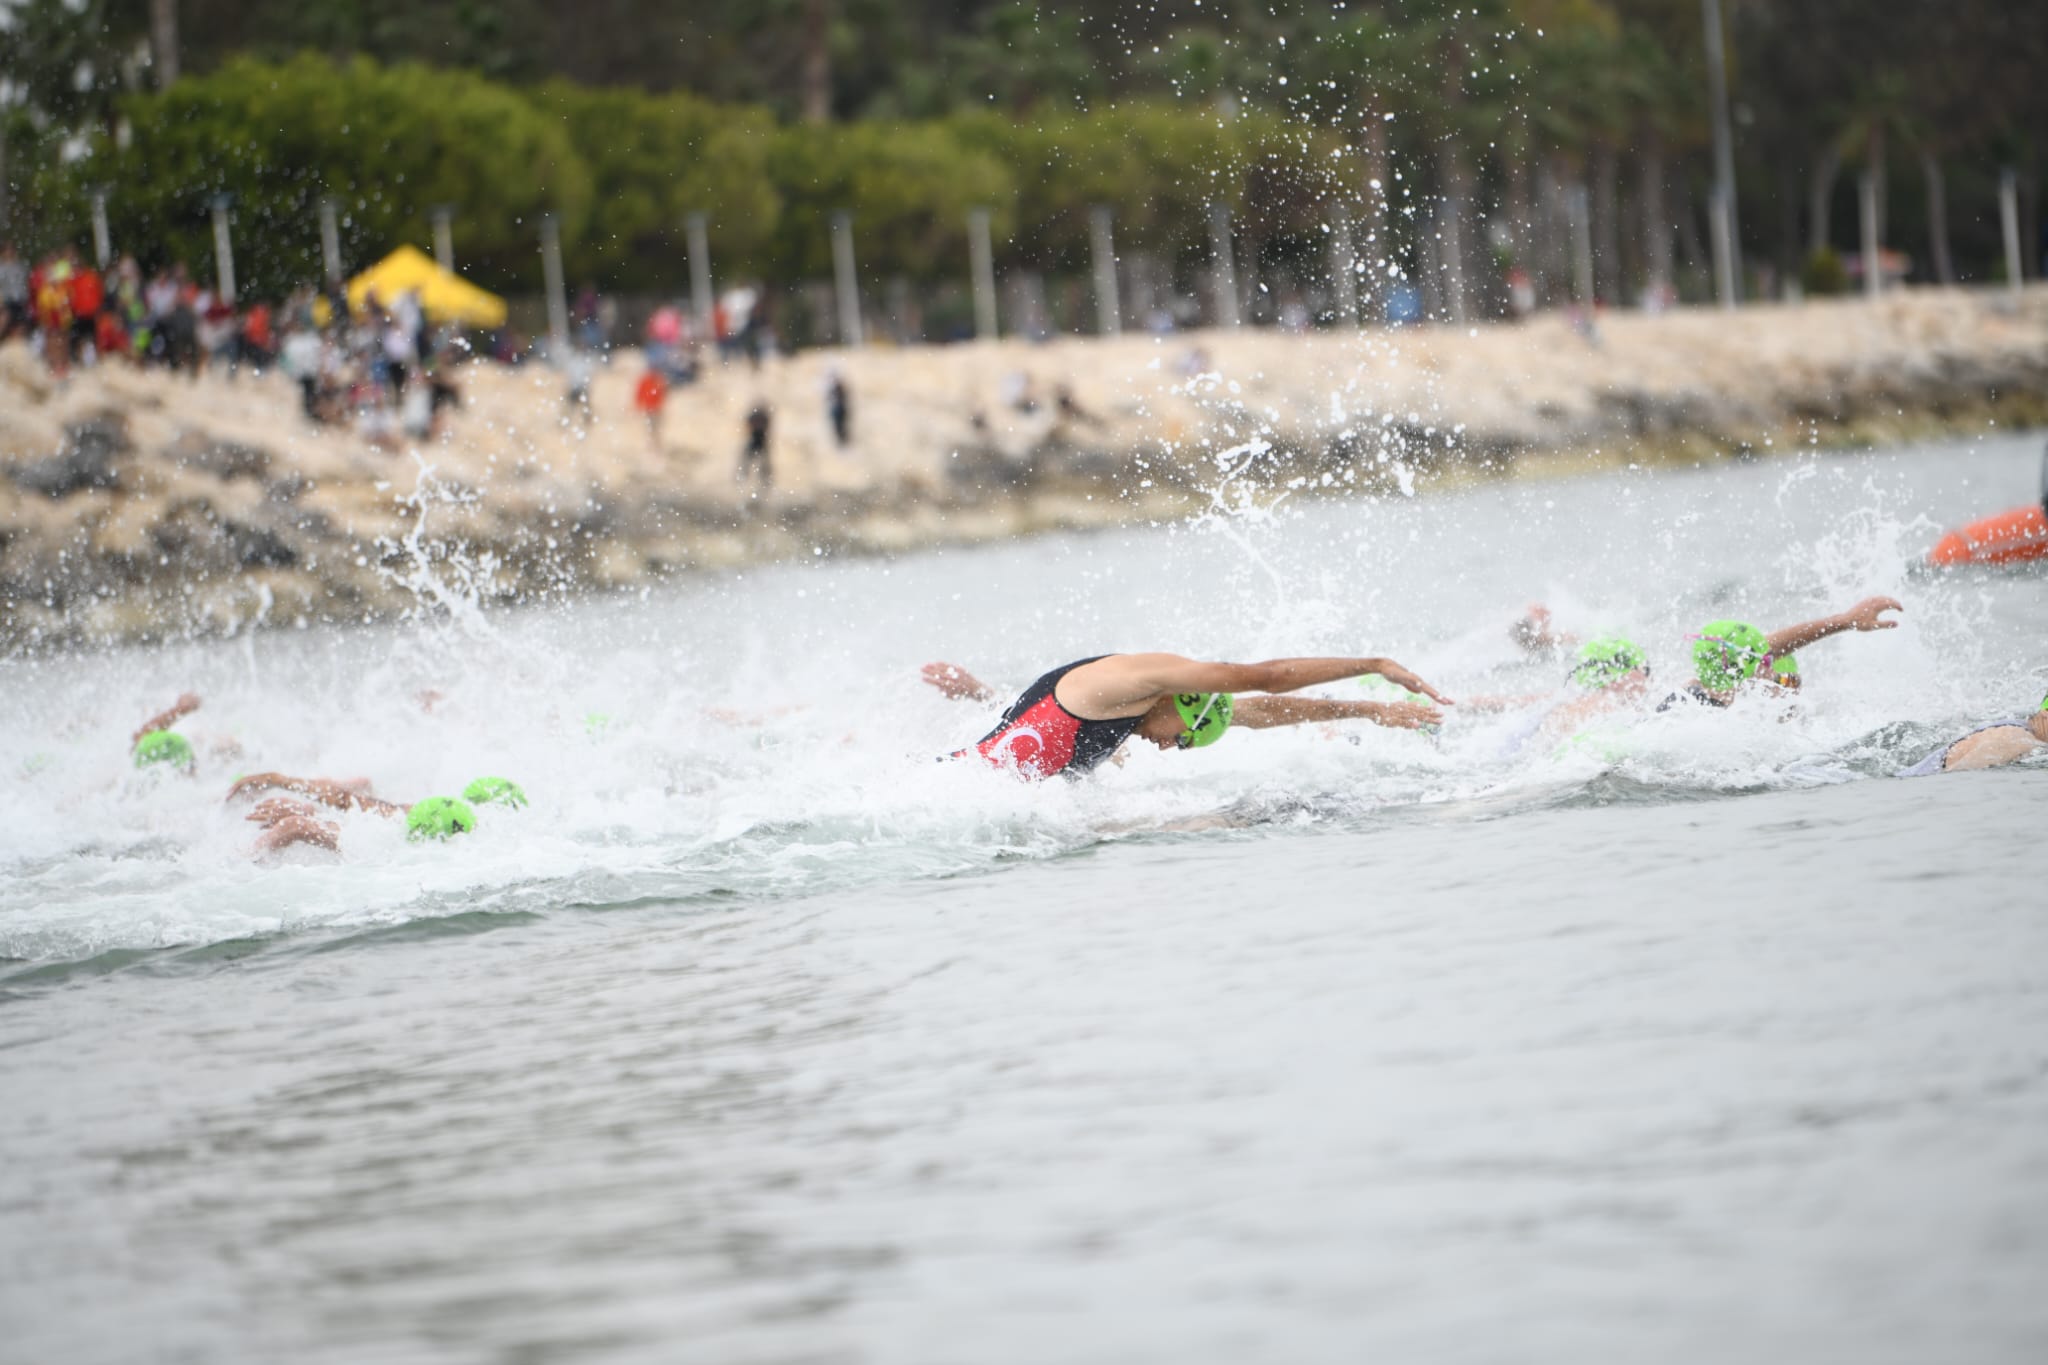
<point>88,294</point>
<point>219,336</point>
<point>839,406</point>
<point>577,369</point>
<point>648,396</point>
<point>16,318</point>
<point>50,289</point>
<point>755,454</point>
<point>587,321</point>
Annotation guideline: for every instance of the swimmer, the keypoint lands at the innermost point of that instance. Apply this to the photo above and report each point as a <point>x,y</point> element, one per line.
<point>1988,746</point>
<point>185,705</point>
<point>287,821</point>
<point>156,744</point>
<point>1727,656</point>
<point>1079,714</point>
<point>1610,672</point>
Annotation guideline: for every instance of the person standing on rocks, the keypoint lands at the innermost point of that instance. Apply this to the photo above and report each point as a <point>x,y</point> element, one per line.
<point>15,315</point>
<point>839,407</point>
<point>754,456</point>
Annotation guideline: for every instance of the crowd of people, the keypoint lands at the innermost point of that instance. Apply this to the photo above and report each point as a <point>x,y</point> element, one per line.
<point>380,368</point>
<point>79,315</point>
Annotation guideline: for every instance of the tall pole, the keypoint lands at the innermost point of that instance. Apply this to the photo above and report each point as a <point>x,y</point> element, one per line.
<point>1873,270</point>
<point>696,231</point>
<point>1225,280</point>
<point>2009,221</point>
<point>102,244</point>
<point>844,276</point>
<point>444,237</point>
<point>330,240</point>
<point>1582,244</point>
<point>1454,256</point>
<point>1109,319</point>
<point>1727,248</point>
<point>1343,265</point>
<point>982,257</point>
<point>557,289</point>
<point>1721,234</point>
<point>223,249</point>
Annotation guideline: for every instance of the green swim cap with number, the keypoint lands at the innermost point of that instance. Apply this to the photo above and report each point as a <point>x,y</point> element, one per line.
<point>1606,660</point>
<point>163,746</point>
<point>438,817</point>
<point>1726,653</point>
<point>487,790</point>
<point>1206,715</point>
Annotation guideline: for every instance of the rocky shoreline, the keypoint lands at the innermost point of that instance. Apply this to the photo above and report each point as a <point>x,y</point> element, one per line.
<point>138,506</point>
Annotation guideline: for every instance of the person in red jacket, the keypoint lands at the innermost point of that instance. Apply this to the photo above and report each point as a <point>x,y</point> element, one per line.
<point>88,292</point>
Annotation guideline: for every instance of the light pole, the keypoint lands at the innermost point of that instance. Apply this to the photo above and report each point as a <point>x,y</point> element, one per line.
<point>102,244</point>
<point>557,287</point>
<point>444,237</point>
<point>330,239</point>
<point>697,233</point>
<point>982,259</point>
<point>848,282</point>
<point>1727,242</point>
<point>1108,308</point>
<point>223,249</point>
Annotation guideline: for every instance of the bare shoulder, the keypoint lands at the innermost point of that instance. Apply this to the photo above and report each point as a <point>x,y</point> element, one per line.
<point>1116,684</point>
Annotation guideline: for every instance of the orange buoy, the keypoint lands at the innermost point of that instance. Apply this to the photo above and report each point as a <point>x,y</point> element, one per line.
<point>2007,538</point>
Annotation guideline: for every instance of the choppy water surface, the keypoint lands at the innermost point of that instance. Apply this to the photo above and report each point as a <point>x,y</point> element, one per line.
<point>762,1036</point>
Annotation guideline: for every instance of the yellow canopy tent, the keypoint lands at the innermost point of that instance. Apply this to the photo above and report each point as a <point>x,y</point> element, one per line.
<point>446,297</point>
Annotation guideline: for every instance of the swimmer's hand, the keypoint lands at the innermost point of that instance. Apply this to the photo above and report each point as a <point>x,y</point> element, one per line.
<point>1868,614</point>
<point>300,829</point>
<point>1401,677</point>
<point>185,705</point>
<point>1864,616</point>
<point>956,683</point>
<point>1403,715</point>
<point>274,809</point>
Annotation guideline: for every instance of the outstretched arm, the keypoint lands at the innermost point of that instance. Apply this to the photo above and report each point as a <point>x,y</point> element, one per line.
<point>325,790</point>
<point>1270,713</point>
<point>956,683</point>
<point>184,706</point>
<point>1865,615</point>
<point>1118,684</point>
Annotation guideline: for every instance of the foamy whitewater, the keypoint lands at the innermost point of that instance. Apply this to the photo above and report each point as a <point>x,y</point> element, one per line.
<point>761,1035</point>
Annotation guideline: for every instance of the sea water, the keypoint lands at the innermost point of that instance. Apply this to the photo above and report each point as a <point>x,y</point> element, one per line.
<point>762,1035</point>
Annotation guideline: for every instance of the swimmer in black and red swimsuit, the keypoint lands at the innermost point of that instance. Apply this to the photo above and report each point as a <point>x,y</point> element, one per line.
<point>1040,737</point>
<point>1077,715</point>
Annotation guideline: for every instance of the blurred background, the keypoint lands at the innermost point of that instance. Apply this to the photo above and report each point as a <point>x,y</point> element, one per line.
<point>1492,152</point>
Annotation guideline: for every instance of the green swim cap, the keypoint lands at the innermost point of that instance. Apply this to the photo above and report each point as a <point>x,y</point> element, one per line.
<point>437,817</point>
<point>1787,667</point>
<point>596,723</point>
<point>1206,716</point>
<point>1605,660</point>
<point>486,790</point>
<point>163,746</point>
<point>1725,653</point>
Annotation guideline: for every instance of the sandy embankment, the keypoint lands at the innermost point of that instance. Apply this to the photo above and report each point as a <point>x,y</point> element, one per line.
<point>135,505</point>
